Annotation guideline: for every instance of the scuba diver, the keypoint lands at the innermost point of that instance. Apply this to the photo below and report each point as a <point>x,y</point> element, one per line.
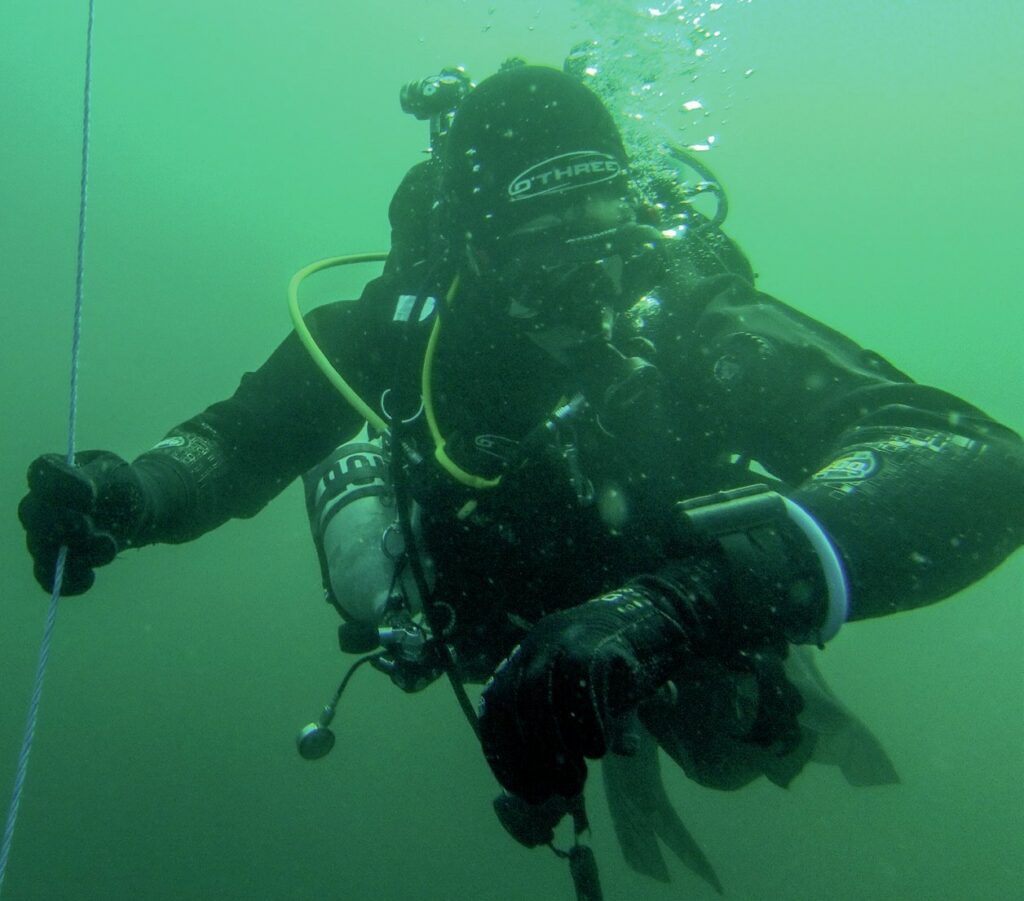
<point>610,479</point>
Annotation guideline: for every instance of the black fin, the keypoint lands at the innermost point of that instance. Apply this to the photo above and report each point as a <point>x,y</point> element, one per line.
<point>642,813</point>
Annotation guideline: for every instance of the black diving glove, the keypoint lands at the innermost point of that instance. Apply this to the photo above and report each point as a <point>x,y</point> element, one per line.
<point>751,582</point>
<point>568,692</point>
<point>94,507</point>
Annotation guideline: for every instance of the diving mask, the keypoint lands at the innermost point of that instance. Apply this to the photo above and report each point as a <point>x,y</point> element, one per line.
<point>575,273</point>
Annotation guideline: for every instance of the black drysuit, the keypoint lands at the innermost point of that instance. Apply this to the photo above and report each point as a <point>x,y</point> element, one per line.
<point>706,385</point>
<point>920,492</point>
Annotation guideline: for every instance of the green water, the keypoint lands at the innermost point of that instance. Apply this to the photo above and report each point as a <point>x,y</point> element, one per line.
<point>873,160</point>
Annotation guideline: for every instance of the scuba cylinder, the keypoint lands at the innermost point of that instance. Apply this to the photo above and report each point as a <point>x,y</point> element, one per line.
<point>363,557</point>
<point>351,513</point>
<point>354,521</point>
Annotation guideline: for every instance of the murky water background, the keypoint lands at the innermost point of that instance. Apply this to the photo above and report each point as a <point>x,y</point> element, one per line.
<point>872,156</point>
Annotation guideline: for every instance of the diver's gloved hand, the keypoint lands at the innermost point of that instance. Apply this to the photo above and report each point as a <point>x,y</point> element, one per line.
<point>758,573</point>
<point>93,507</point>
<point>569,690</point>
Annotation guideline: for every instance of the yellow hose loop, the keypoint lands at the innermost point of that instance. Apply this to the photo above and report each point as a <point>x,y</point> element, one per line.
<point>346,390</point>
<point>309,342</point>
<point>447,463</point>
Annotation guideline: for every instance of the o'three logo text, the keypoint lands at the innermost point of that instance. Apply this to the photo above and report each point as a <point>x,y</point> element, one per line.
<point>565,172</point>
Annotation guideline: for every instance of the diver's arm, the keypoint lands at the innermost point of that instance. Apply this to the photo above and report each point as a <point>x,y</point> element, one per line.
<point>914,501</point>
<point>921,493</point>
<point>235,456</point>
<point>903,494</point>
<point>917,514</point>
<point>228,461</point>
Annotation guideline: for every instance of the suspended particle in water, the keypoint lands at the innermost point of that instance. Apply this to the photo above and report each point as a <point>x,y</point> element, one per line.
<point>707,145</point>
<point>613,508</point>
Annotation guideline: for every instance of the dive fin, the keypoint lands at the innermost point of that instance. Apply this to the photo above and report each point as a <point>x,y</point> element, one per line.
<point>842,739</point>
<point>642,813</point>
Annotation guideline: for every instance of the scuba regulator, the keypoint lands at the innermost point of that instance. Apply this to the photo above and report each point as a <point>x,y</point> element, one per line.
<point>395,636</point>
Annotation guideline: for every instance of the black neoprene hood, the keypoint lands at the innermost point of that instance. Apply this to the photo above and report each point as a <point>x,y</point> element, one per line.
<point>527,142</point>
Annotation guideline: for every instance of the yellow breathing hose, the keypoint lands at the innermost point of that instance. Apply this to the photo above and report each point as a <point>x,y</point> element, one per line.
<point>447,463</point>
<point>346,390</point>
<point>309,342</point>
